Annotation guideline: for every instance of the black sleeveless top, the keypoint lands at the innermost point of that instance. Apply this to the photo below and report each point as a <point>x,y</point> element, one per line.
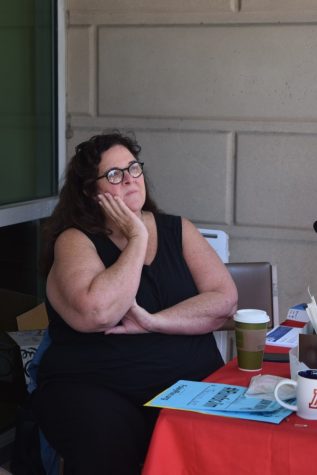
<point>144,364</point>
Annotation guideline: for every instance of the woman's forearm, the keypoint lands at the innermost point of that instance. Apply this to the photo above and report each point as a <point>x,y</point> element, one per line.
<point>197,315</point>
<point>113,291</point>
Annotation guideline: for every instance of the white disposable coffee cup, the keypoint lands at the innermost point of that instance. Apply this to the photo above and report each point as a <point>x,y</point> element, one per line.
<point>250,330</point>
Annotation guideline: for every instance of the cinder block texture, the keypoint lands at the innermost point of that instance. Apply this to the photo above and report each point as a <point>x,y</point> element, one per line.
<point>188,171</point>
<point>276,180</point>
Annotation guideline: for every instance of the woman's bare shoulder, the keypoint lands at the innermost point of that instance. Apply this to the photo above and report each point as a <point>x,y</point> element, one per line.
<point>189,230</point>
<point>72,237</point>
<point>70,233</point>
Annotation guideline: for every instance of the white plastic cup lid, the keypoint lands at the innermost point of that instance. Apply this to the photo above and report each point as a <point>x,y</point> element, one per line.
<point>251,315</point>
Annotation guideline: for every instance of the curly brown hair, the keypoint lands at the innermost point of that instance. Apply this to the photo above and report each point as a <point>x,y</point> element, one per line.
<point>77,206</point>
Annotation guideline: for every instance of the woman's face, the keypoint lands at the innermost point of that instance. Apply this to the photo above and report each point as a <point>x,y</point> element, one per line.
<point>130,190</point>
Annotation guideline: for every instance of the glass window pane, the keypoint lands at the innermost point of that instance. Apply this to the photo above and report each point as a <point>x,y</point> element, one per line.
<point>28,157</point>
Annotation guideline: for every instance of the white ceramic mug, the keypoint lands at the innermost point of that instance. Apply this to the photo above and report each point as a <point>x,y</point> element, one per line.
<point>306,394</point>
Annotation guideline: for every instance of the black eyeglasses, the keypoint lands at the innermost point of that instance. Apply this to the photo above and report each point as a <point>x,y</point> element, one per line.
<point>115,175</point>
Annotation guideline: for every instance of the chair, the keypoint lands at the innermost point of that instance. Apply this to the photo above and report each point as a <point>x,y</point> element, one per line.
<point>257,288</point>
<point>219,240</point>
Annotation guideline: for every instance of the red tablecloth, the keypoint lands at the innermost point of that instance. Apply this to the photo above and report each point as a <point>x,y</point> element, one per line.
<point>188,443</point>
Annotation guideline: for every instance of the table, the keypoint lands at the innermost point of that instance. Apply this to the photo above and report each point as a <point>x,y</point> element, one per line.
<point>188,443</point>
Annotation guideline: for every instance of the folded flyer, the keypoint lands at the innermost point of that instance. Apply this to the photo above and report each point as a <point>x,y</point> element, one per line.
<point>218,399</point>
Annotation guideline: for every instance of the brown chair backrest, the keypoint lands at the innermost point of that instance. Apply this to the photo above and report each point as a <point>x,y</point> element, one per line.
<point>255,287</point>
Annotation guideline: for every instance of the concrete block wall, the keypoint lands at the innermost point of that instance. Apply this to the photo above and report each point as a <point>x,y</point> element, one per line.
<point>222,96</point>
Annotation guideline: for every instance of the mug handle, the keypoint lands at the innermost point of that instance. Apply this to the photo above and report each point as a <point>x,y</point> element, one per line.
<point>282,403</point>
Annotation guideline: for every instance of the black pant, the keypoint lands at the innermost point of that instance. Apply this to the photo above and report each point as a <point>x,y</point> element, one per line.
<point>95,430</point>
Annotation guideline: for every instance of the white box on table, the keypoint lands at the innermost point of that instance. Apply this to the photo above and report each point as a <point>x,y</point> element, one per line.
<point>295,364</point>
<point>298,314</point>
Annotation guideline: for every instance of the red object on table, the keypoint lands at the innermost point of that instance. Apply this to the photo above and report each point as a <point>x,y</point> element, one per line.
<point>188,443</point>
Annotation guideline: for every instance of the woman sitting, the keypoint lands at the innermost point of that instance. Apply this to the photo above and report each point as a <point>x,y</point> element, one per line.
<point>133,296</point>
